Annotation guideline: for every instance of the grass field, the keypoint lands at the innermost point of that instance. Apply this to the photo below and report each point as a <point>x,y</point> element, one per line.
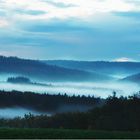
<point>65,134</point>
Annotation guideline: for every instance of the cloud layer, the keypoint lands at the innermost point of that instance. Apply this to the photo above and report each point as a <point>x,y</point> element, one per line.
<point>70,29</point>
<point>64,9</point>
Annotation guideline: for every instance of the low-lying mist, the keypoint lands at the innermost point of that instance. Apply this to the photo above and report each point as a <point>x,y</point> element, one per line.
<point>17,112</point>
<point>93,89</point>
<point>13,112</point>
<point>97,89</point>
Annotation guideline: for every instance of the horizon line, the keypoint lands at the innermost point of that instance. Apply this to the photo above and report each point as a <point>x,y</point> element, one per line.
<point>38,59</point>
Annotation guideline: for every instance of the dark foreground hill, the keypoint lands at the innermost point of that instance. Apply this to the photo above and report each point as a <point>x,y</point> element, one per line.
<point>42,71</point>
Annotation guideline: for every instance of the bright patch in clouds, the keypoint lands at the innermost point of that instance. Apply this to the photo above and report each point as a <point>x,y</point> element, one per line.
<point>124,59</point>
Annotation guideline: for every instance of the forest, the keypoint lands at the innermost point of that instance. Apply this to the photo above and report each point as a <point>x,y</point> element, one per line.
<point>45,102</point>
<point>116,114</point>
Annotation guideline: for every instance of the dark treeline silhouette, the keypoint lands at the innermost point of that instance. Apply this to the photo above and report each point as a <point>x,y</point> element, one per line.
<point>44,102</point>
<point>25,81</point>
<point>121,114</point>
<point>19,79</point>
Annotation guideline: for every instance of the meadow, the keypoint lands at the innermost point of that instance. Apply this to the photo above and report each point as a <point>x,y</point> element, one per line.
<point>13,133</point>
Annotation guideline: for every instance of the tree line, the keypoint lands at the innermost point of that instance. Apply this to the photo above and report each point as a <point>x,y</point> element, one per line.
<point>44,102</point>
<point>118,113</point>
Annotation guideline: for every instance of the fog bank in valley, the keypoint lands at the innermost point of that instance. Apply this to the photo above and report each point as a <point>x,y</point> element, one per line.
<point>93,89</point>
<point>17,112</point>
<point>97,89</point>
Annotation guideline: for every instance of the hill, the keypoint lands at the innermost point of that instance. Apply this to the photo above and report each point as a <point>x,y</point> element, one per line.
<point>133,78</point>
<point>103,67</point>
<point>39,70</point>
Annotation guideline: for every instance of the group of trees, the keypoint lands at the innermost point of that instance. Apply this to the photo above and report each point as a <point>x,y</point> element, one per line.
<point>44,102</point>
<point>121,114</point>
<point>19,79</point>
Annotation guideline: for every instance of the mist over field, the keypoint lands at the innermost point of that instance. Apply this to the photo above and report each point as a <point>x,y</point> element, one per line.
<point>102,90</point>
<point>71,78</point>
<point>17,112</point>
<point>119,83</point>
<point>97,89</point>
<point>97,78</point>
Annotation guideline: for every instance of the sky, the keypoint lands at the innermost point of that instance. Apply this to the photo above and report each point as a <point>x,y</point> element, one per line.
<point>71,29</point>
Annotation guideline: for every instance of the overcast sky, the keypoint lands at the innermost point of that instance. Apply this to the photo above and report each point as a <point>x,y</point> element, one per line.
<point>71,29</point>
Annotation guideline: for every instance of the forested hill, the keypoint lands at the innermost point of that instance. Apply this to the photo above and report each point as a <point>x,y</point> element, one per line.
<point>36,69</point>
<point>40,70</point>
<point>47,102</point>
<point>100,66</point>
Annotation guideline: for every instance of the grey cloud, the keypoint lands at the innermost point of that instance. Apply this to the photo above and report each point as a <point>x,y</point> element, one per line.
<point>129,14</point>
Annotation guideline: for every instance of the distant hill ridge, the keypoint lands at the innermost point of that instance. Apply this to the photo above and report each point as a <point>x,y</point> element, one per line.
<point>132,78</point>
<point>41,70</point>
<point>104,67</point>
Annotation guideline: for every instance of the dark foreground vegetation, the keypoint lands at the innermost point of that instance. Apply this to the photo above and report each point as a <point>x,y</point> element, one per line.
<point>117,114</point>
<point>65,134</point>
<point>45,102</point>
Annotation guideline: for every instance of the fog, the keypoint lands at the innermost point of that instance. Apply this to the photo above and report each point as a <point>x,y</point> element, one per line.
<point>13,112</point>
<point>102,89</point>
<point>93,89</point>
<point>17,112</point>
